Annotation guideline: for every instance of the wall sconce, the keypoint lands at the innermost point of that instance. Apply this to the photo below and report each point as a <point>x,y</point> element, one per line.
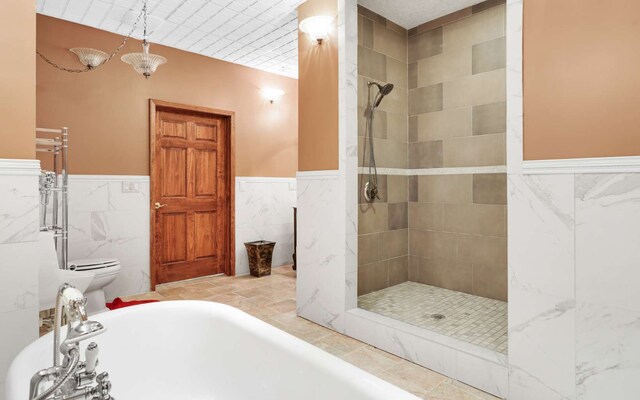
<point>317,27</point>
<point>272,95</point>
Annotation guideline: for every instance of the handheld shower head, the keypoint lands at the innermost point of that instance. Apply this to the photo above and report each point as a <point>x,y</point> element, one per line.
<point>386,89</point>
<point>382,91</point>
<point>84,330</point>
<point>78,326</point>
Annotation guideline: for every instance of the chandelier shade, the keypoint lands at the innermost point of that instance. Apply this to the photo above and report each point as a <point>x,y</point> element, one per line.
<point>144,63</point>
<point>90,58</point>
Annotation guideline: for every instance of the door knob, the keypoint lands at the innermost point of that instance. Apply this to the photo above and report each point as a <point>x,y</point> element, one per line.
<point>159,206</point>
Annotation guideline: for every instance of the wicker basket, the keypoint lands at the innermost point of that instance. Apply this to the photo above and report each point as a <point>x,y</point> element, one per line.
<point>260,253</point>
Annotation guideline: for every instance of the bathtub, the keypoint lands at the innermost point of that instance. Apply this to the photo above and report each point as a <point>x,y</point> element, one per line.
<point>195,350</point>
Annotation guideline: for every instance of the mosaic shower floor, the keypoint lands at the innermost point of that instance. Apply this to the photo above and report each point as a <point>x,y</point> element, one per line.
<point>470,318</point>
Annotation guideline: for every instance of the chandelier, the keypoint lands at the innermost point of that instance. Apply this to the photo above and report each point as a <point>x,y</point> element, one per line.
<point>144,63</point>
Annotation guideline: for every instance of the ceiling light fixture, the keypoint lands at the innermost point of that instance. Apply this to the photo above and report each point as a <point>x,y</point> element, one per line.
<point>90,58</point>
<point>144,63</point>
<point>317,27</point>
<point>272,95</point>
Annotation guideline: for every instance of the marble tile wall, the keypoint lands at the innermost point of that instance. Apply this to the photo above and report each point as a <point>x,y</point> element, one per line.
<point>264,210</point>
<point>541,287</point>
<point>574,323</point>
<point>19,209</point>
<point>323,277</point>
<point>607,299</point>
<point>106,222</point>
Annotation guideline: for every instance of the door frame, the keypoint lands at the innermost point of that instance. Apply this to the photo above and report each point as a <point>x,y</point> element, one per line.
<point>229,116</point>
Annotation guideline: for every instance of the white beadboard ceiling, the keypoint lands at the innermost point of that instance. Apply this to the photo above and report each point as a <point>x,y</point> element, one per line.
<point>260,34</point>
<point>411,13</point>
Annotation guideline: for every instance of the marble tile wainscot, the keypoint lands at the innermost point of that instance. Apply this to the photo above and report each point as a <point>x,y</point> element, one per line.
<point>264,210</point>
<point>573,251</point>
<point>109,218</point>
<point>19,212</point>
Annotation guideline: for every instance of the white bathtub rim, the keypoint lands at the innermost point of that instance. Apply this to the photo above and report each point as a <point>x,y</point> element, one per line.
<point>368,383</point>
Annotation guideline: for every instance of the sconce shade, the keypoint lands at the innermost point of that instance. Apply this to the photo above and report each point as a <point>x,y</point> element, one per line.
<point>317,27</point>
<point>88,57</point>
<point>271,94</point>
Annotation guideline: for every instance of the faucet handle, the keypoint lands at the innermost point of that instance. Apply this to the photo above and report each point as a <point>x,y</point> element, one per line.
<point>103,390</point>
<point>91,356</point>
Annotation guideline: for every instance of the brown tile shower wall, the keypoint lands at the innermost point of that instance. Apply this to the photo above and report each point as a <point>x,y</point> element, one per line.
<point>382,58</point>
<point>457,91</point>
<point>383,234</point>
<point>457,233</point>
<point>447,110</point>
<point>456,106</point>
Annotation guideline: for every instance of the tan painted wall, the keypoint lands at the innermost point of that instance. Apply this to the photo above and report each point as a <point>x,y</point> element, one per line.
<point>17,79</point>
<point>107,110</point>
<point>581,78</point>
<point>318,92</point>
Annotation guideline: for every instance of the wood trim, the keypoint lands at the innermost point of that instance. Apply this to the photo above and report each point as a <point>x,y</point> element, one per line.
<point>231,266</point>
<point>154,104</point>
<point>152,227</point>
<point>185,107</point>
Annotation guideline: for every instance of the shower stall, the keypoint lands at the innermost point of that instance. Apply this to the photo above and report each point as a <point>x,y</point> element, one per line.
<point>432,215</point>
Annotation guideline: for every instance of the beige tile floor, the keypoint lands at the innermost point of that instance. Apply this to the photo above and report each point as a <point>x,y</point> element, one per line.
<point>272,299</point>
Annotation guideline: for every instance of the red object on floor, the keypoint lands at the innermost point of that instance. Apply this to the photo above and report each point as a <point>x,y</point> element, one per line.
<point>119,303</point>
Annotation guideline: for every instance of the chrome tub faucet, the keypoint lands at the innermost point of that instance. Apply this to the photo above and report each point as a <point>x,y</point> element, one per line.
<point>72,378</point>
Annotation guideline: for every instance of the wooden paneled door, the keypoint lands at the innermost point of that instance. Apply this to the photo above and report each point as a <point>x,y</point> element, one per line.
<point>191,168</point>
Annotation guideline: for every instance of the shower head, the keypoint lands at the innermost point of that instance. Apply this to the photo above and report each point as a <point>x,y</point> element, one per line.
<point>382,91</point>
<point>386,89</point>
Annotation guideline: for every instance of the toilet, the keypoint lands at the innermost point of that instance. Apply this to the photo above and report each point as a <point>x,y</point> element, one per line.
<point>105,271</point>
